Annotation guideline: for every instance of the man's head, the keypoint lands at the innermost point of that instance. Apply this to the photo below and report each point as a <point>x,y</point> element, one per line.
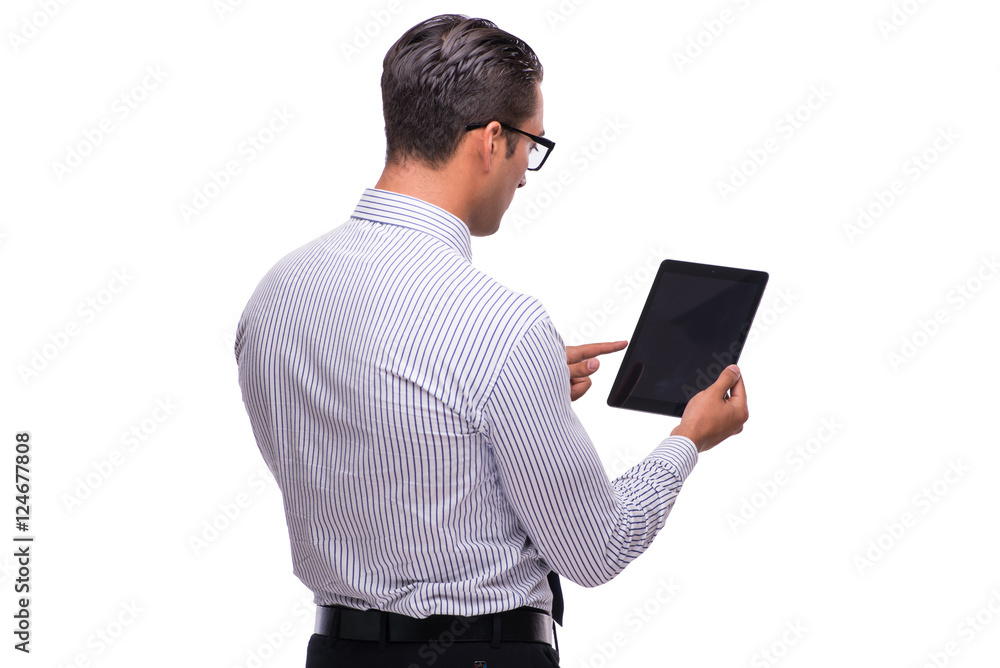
<point>448,72</point>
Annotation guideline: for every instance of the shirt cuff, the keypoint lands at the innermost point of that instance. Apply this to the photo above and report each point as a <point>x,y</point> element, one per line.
<point>678,452</point>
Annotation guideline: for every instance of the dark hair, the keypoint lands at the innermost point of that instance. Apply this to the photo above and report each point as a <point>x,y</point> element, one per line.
<point>448,72</point>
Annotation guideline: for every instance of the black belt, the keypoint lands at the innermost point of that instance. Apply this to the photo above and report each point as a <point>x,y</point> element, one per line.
<point>522,624</point>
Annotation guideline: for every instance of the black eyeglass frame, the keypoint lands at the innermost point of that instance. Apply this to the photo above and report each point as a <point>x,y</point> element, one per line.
<point>542,141</point>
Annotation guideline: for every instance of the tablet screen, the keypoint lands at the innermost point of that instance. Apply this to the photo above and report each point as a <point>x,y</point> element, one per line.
<point>693,326</point>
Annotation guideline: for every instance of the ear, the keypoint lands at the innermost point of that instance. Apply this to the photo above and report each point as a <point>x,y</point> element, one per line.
<point>492,144</point>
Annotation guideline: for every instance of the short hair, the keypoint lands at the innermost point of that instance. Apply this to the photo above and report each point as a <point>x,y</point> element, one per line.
<point>448,72</point>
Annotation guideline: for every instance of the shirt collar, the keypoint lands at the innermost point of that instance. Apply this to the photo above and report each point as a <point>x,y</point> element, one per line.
<point>383,206</point>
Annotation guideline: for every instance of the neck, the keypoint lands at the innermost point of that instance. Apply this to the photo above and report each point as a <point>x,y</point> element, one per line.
<point>441,187</point>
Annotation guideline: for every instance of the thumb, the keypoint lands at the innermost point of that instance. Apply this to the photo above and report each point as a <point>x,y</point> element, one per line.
<point>726,380</point>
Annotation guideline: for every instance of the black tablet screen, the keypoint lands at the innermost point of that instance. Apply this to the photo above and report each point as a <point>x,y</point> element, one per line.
<point>693,325</point>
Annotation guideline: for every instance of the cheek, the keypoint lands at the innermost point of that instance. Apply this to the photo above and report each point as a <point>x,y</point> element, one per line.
<point>514,186</point>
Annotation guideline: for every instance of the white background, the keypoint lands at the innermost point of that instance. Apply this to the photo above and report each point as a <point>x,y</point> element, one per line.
<point>116,304</point>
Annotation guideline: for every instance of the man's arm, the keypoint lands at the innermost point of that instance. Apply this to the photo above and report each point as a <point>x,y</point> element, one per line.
<point>586,527</point>
<point>582,361</point>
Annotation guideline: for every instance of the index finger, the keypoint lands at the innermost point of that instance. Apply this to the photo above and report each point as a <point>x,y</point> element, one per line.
<point>586,351</point>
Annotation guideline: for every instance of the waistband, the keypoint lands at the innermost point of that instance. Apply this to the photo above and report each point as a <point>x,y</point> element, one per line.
<point>520,625</point>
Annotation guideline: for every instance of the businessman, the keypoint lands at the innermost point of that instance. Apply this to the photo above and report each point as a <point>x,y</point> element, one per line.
<point>416,413</point>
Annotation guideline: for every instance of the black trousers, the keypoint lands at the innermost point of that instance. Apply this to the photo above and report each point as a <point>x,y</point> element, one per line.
<point>327,652</point>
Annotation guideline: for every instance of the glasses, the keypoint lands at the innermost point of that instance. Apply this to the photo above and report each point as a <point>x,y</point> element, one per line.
<point>536,158</point>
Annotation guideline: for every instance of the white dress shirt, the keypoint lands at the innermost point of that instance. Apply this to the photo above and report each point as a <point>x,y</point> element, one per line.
<point>416,416</point>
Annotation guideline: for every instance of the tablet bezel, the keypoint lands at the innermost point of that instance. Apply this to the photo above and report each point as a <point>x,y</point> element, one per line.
<point>679,267</point>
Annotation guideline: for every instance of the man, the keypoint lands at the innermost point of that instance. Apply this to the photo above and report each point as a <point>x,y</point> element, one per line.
<point>416,413</point>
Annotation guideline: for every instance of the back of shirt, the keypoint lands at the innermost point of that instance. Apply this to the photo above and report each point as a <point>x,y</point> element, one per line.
<point>365,359</point>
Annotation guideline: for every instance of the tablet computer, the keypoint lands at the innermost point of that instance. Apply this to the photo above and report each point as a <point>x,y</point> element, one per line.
<point>694,324</point>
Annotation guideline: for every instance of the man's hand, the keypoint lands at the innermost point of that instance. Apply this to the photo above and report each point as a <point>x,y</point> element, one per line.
<point>582,361</point>
<point>711,417</point>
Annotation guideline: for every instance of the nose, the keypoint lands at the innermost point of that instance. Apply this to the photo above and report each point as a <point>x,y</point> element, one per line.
<point>524,181</point>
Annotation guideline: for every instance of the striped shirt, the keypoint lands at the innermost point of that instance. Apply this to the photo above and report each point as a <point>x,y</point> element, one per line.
<point>416,416</point>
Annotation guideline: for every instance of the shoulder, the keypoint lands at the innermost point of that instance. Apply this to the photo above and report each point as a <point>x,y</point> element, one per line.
<point>283,285</point>
<point>301,267</point>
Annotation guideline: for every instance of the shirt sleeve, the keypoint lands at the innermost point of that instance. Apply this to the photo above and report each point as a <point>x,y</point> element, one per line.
<point>585,526</point>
